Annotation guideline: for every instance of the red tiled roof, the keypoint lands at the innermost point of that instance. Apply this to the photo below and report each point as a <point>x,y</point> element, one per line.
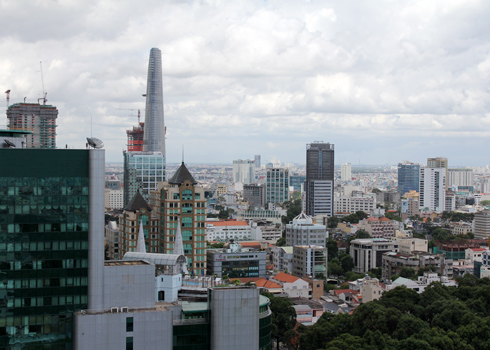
<point>270,267</point>
<point>478,249</point>
<point>384,218</point>
<point>284,277</point>
<point>371,219</point>
<point>340,291</point>
<point>250,245</point>
<point>259,281</point>
<point>228,223</point>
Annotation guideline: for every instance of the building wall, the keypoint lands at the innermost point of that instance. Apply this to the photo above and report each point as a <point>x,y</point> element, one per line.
<point>368,253</point>
<point>236,264</point>
<point>482,224</point>
<point>300,233</point>
<point>351,205</point>
<point>254,195</point>
<point>235,319</point>
<point>346,172</point>
<point>309,261</point>
<point>460,177</point>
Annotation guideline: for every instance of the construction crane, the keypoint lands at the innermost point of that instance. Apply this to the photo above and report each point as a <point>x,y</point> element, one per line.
<point>129,109</point>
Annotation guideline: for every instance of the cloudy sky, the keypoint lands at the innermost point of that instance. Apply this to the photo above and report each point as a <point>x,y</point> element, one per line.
<point>385,81</point>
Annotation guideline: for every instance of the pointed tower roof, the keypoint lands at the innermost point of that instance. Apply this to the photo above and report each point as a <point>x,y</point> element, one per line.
<point>140,244</point>
<point>137,203</point>
<point>182,174</point>
<point>179,244</point>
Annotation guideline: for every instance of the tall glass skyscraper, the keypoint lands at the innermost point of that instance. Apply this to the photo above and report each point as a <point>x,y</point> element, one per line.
<point>51,231</point>
<point>408,177</point>
<point>154,135</point>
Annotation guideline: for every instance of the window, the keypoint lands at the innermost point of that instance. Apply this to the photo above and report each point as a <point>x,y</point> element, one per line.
<point>129,324</point>
<point>129,343</point>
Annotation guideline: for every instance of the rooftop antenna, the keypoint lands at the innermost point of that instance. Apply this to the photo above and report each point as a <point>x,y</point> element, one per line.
<point>42,82</point>
<point>182,154</point>
<point>8,98</point>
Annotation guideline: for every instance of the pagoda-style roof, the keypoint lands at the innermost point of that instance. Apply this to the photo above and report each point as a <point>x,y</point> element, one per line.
<point>181,175</point>
<point>137,203</point>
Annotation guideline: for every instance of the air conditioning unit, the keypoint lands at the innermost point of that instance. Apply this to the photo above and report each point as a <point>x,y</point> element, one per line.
<point>124,309</point>
<point>114,310</point>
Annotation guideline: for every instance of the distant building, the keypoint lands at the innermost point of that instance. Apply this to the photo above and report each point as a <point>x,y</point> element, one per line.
<point>277,186</point>
<point>410,245</point>
<point>408,177</point>
<point>255,195</point>
<point>460,178</point>
<point>432,189</point>
<point>481,224</point>
<point>282,258</point>
<point>387,197</point>
<point>39,119</point>
<point>346,172</point>
<point>297,182</point>
<point>226,230</point>
<point>370,289</point>
<point>293,286</point>
<point>461,228</point>
<point>350,205</point>
<point>257,161</point>
<point>244,171</point>
<point>235,262</point>
<point>368,252</point>
<point>114,199</point>
<point>310,260</point>
<point>439,162</point>
<point>378,227</point>
<point>319,179</point>
<point>302,231</point>
<point>142,172</point>
<point>410,207</point>
<point>393,262</point>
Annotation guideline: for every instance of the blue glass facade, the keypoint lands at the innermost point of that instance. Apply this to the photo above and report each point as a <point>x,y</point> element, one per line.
<point>44,224</point>
<point>408,178</point>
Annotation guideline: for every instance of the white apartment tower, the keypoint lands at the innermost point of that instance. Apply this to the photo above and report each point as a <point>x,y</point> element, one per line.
<point>432,189</point>
<point>244,171</point>
<point>346,172</point>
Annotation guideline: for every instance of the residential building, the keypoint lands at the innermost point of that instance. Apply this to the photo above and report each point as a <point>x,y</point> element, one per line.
<point>308,312</point>
<point>481,224</point>
<point>180,200</point>
<point>254,194</point>
<point>410,245</point>
<point>263,230</point>
<point>461,228</point>
<point>460,178</point>
<point>114,199</point>
<point>112,241</point>
<point>346,172</point>
<point>422,282</point>
<point>277,186</point>
<point>270,215</point>
<point>350,205</point>
<point>432,189</point>
<point>475,254</point>
<point>226,230</point>
<point>154,127</point>
<point>309,260</point>
<point>236,262</point>
<point>410,208</point>
<point>257,161</point>
<point>302,231</point>
<point>39,119</point>
<point>450,204</point>
<point>368,252</point>
<point>292,286</point>
<point>378,227</point>
<point>370,289</point>
<point>393,262</point>
<point>282,258</point>
<point>244,171</point>
<point>387,197</point>
<point>142,172</point>
<point>51,232</point>
<point>408,177</point>
<point>319,178</point>
<point>439,162</point>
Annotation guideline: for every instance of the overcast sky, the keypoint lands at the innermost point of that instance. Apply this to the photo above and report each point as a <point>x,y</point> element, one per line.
<point>385,81</point>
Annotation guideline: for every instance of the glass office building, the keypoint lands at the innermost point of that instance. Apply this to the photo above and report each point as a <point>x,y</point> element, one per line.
<point>408,177</point>
<point>44,245</point>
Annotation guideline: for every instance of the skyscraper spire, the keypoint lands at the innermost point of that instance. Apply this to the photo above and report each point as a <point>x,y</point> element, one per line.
<point>140,243</point>
<point>179,244</point>
<point>154,134</point>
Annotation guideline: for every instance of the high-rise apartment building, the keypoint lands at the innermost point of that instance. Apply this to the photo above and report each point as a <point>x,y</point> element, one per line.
<point>319,178</point>
<point>482,224</point>
<point>346,172</point>
<point>181,200</point>
<point>254,194</point>
<point>257,161</point>
<point>244,171</point>
<point>460,178</point>
<point>432,189</point>
<point>154,133</point>
<point>302,231</point>
<point>439,162</point>
<point>408,177</point>
<point>51,240</point>
<point>277,186</point>
<point>40,119</point>
<point>142,172</point>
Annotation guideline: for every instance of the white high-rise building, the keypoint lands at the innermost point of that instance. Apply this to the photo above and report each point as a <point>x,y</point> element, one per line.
<point>432,189</point>
<point>346,172</point>
<point>302,231</point>
<point>460,177</point>
<point>244,171</point>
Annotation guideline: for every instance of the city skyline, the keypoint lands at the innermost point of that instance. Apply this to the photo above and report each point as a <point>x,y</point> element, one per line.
<point>261,78</point>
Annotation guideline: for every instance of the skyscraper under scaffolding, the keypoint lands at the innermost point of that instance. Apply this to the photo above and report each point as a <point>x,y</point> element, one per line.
<point>38,118</point>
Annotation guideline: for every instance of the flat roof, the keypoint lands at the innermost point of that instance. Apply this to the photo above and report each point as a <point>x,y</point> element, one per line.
<point>125,262</point>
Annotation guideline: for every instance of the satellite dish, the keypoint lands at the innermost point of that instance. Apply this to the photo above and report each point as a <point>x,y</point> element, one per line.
<point>95,143</point>
<point>9,144</point>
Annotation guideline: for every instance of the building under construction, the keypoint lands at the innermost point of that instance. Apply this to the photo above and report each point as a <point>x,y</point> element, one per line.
<point>40,119</point>
<point>135,137</point>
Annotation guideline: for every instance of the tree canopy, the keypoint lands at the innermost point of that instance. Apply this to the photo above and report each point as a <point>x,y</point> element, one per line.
<point>439,318</point>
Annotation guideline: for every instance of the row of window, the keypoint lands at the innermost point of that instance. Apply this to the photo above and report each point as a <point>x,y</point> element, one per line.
<point>47,301</point>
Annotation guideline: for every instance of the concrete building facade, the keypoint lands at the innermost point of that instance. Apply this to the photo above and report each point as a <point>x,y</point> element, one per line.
<point>277,185</point>
<point>302,231</point>
<point>310,260</point>
<point>244,171</point>
<point>346,172</point>
<point>368,253</point>
<point>432,189</point>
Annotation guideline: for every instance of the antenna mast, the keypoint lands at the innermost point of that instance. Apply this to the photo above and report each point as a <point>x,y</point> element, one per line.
<point>8,98</point>
<point>42,82</point>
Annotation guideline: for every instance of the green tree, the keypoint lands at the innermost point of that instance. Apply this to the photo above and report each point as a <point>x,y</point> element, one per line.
<point>293,209</point>
<point>283,318</point>
<point>332,222</point>
<point>281,242</point>
<point>408,272</point>
<point>362,234</point>
<point>334,268</point>
<point>332,248</point>
<point>347,262</point>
